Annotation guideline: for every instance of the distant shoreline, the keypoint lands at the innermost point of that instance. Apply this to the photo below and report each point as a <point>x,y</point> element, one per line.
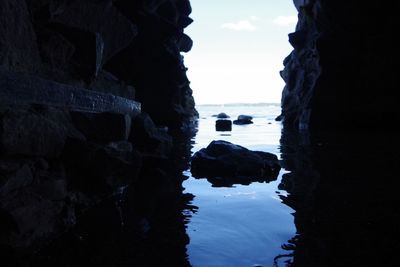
<point>238,104</point>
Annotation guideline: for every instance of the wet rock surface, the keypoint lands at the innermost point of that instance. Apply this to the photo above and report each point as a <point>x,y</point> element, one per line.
<point>345,197</point>
<point>225,164</point>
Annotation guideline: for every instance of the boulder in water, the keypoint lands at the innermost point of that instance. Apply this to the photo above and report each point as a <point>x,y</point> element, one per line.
<point>243,119</point>
<point>224,164</point>
<point>223,125</point>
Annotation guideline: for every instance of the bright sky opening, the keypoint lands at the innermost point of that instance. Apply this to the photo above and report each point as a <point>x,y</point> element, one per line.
<point>239,47</point>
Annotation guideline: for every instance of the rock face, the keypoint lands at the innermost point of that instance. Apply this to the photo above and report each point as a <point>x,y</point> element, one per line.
<point>65,150</point>
<point>341,73</point>
<point>127,49</point>
<point>224,163</point>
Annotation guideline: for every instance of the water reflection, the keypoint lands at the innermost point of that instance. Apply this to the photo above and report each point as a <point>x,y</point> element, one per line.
<point>246,223</point>
<point>142,225</point>
<point>344,191</point>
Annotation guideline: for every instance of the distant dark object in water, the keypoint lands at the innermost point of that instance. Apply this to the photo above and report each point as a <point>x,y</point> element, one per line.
<point>225,164</point>
<point>222,115</point>
<point>243,119</point>
<point>279,118</point>
<point>223,125</point>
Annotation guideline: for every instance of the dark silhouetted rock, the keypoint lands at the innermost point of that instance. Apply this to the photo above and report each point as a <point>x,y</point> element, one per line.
<point>103,127</point>
<point>109,29</point>
<point>155,61</point>
<point>101,169</point>
<point>149,138</point>
<point>20,178</point>
<point>35,203</point>
<point>18,46</point>
<point>223,125</point>
<point>243,119</point>
<point>35,131</point>
<point>278,118</point>
<point>224,163</point>
<point>334,67</point>
<point>185,43</point>
<point>92,58</point>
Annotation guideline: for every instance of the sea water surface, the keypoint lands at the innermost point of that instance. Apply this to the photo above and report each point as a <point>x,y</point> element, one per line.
<point>243,225</point>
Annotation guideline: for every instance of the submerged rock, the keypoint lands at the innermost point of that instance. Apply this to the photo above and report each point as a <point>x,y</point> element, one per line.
<point>224,163</point>
<point>223,125</point>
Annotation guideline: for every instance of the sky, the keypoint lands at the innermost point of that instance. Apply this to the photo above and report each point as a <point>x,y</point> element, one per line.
<point>238,50</point>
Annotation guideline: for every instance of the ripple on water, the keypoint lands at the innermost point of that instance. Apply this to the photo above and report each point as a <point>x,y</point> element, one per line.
<point>239,225</point>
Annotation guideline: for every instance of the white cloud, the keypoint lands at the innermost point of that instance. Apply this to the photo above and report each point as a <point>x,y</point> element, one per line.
<point>255,18</point>
<point>285,20</point>
<point>242,25</point>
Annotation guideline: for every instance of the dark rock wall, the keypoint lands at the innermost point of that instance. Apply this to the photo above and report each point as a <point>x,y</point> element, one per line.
<point>156,66</point>
<point>131,49</point>
<point>58,164</point>
<point>345,197</point>
<point>341,83</point>
<point>342,71</point>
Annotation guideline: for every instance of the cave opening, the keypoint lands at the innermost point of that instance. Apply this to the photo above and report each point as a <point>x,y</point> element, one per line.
<point>234,69</point>
<point>238,50</point>
<point>97,124</point>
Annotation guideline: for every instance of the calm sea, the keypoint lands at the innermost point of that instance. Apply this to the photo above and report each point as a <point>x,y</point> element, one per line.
<point>238,226</point>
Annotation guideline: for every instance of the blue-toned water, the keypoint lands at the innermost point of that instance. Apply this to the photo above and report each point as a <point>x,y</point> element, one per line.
<point>241,225</point>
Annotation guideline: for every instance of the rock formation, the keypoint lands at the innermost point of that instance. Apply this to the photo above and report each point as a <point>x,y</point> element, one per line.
<point>127,49</point>
<point>345,198</point>
<point>93,99</point>
<point>342,71</point>
<point>82,176</point>
<point>341,93</point>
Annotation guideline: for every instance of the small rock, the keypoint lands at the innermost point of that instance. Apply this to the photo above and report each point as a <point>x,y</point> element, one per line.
<point>245,117</point>
<point>222,115</point>
<point>243,120</point>
<point>279,118</point>
<point>223,125</point>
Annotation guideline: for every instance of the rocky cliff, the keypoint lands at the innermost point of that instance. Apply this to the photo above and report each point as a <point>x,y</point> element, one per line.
<point>93,99</point>
<point>342,71</point>
<point>341,93</point>
<point>130,49</point>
